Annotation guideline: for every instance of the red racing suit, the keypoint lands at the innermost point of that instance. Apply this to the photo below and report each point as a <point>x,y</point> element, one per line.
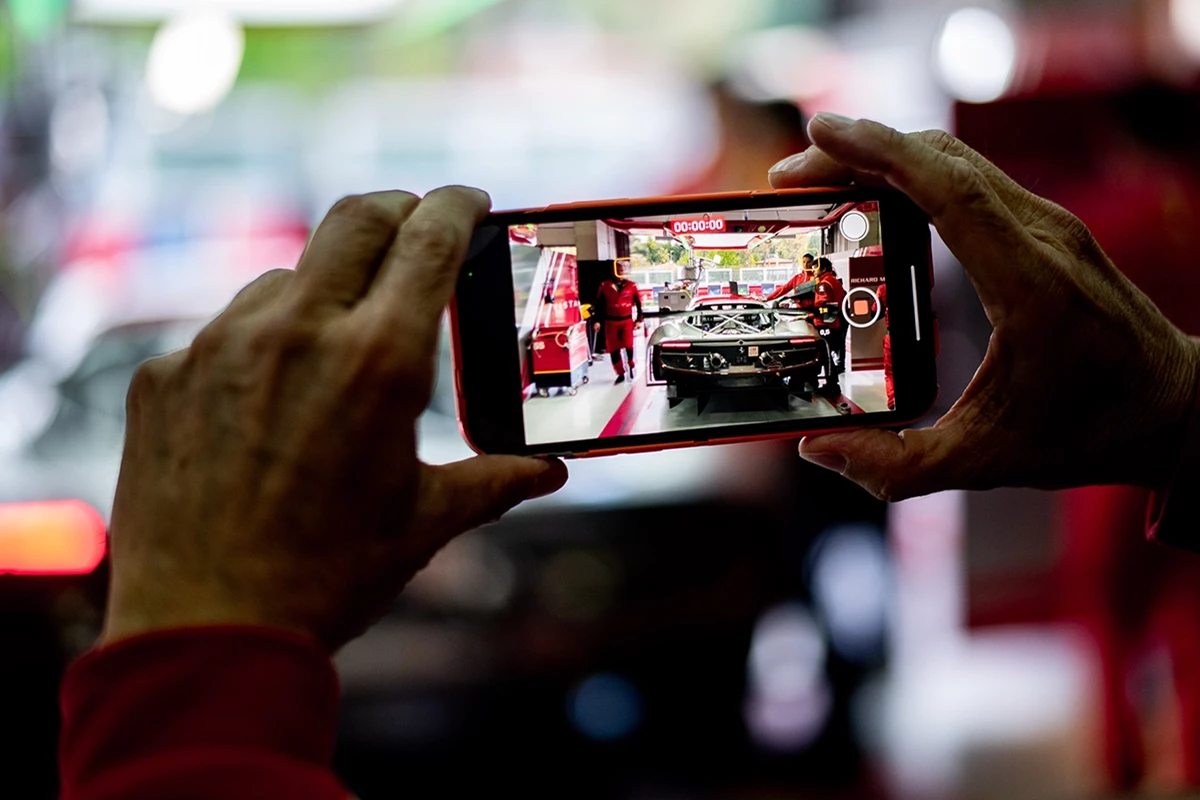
<point>887,348</point>
<point>789,287</point>
<point>830,294</point>
<point>618,306</point>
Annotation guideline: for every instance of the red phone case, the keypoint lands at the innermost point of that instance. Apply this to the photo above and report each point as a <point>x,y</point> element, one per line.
<point>633,203</point>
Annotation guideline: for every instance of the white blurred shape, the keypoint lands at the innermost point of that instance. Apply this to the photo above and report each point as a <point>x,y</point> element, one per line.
<point>79,130</point>
<point>74,308</point>
<point>194,60</point>
<point>1184,16</point>
<point>786,63</point>
<point>788,700</point>
<point>791,725</point>
<point>787,653</point>
<point>27,404</point>
<point>975,55</point>
<point>851,584</point>
<point>254,12</point>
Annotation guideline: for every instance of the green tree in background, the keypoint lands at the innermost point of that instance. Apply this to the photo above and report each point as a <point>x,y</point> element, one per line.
<point>652,251</point>
<point>678,252</point>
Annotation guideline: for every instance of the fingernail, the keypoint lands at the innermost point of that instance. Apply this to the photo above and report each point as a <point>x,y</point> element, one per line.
<point>790,163</point>
<point>835,122</point>
<point>831,461</point>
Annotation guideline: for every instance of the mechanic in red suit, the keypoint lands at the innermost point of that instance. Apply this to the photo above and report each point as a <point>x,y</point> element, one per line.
<point>881,293</point>
<point>618,308</point>
<point>805,275</point>
<point>829,295</point>
<point>258,526</point>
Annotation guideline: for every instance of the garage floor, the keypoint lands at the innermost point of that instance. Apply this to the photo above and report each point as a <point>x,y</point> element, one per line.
<point>603,409</point>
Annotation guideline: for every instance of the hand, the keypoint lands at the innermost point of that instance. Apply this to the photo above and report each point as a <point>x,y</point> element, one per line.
<point>596,326</point>
<point>270,474</point>
<point>1084,381</point>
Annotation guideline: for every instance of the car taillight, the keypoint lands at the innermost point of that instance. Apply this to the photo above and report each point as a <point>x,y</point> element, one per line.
<point>63,537</point>
<point>802,340</point>
<point>676,345</point>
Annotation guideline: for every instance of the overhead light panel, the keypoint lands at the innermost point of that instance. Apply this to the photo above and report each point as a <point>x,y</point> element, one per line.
<point>248,12</point>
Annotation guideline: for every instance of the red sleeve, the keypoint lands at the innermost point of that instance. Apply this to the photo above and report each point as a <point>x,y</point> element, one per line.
<point>1174,515</point>
<point>229,712</point>
<point>784,289</point>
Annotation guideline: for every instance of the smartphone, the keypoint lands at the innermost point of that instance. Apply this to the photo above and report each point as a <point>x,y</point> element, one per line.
<point>622,326</point>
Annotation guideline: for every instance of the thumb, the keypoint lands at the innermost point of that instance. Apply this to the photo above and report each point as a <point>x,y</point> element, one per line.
<point>890,466</point>
<point>466,494</point>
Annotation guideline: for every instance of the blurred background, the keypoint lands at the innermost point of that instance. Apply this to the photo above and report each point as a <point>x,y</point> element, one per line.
<point>720,622</point>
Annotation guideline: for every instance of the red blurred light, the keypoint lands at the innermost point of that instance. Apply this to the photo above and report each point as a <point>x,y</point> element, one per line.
<point>676,345</point>
<point>802,340</point>
<point>62,537</point>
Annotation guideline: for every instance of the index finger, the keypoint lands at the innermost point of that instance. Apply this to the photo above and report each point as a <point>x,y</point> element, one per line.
<point>348,246</point>
<point>813,167</point>
<point>419,272</point>
<point>980,229</point>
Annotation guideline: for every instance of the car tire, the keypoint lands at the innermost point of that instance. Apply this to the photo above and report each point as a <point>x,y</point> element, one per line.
<point>655,364</point>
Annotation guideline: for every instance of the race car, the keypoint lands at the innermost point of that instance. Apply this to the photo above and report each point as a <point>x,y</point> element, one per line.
<point>733,343</point>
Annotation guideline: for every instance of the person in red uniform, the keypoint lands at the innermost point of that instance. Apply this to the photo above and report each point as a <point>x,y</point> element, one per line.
<point>803,276</point>
<point>619,307</point>
<point>829,320</point>
<point>271,505</point>
<point>881,294</point>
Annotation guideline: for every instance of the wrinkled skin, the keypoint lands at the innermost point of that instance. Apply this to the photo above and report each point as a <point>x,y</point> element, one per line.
<point>270,474</point>
<point>1084,381</point>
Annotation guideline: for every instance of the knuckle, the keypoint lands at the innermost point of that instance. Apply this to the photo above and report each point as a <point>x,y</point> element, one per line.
<point>147,379</point>
<point>271,277</point>
<point>965,182</point>
<point>276,335</point>
<point>268,284</point>
<point>1072,231</point>
<point>375,355</point>
<point>893,140</point>
<point>941,141</point>
<point>211,339</point>
<point>367,210</point>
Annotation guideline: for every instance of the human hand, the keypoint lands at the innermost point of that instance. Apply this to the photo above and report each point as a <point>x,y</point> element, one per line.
<point>270,474</point>
<point>1084,381</point>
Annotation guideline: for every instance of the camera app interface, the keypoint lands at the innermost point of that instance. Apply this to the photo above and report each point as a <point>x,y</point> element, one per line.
<point>657,324</point>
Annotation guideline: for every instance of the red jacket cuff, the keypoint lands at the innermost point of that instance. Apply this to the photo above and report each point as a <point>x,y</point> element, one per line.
<point>225,697</point>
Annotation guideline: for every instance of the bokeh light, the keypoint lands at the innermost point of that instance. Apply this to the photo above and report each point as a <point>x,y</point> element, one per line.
<point>194,60</point>
<point>976,54</point>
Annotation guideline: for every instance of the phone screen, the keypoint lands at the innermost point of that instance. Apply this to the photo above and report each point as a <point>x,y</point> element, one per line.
<point>674,323</point>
